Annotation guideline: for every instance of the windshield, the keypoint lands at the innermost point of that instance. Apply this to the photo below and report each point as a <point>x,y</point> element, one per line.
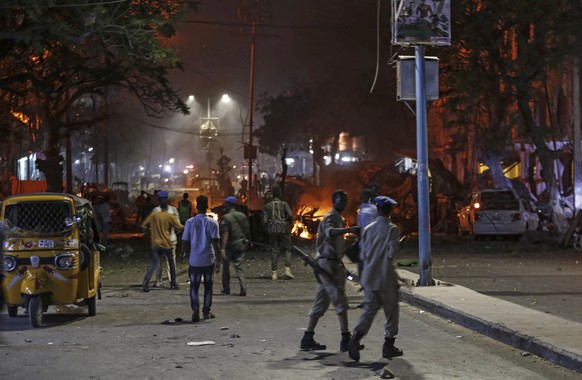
<point>38,217</point>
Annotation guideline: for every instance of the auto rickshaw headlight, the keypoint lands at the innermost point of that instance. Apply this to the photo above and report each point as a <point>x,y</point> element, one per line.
<point>9,263</point>
<point>65,261</point>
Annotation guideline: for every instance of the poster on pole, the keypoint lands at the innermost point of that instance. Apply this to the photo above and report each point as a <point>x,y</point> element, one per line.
<point>417,22</point>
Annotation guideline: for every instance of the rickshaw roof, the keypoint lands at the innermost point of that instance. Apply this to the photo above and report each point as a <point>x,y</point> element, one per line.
<point>79,202</point>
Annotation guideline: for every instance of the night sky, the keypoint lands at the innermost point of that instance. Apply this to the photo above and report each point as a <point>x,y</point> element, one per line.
<point>319,42</point>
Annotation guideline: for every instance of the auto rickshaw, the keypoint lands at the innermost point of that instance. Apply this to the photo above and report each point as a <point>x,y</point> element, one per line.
<point>51,254</point>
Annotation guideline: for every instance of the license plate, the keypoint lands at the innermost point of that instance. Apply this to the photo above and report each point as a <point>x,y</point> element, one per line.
<point>46,244</point>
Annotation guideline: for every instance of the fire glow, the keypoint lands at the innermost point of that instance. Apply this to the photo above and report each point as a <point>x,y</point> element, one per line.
<point>307,222</point>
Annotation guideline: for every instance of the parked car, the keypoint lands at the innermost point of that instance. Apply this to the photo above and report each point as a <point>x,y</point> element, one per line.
<point>501,212</point>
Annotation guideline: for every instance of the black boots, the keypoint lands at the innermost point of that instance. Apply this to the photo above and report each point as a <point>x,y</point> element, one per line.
<point>388,349</point>
<point>345,341</point>
<point>354,346</point>
<point>145,286</point>
<point>309,344</point>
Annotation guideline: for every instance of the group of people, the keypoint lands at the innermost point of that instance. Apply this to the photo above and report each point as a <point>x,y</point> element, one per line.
<point>210,245</point>
<point>205,243</point>
<point>378,244</point>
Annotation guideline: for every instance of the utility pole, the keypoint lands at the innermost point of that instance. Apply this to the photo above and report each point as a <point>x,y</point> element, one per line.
<point>256,12</point>
<point>422,172</point>
<point>251,149</point>
<point>409,29</point>
<point>577,135</point>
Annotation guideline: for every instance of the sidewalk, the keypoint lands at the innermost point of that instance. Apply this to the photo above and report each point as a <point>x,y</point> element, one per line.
<point>552,338</point>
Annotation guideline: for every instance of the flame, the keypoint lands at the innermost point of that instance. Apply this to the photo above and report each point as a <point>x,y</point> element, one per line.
<point>307,221</point>
<point>21,117</point>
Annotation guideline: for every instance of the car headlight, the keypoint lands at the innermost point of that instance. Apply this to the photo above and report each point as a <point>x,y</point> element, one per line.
<point>9,263</point>
<point>65,261</point>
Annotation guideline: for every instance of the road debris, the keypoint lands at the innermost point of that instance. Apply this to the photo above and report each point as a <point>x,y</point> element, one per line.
<point>202,343</point>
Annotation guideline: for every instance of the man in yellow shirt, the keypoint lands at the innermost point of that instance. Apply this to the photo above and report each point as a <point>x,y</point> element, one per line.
<point>158,226</point>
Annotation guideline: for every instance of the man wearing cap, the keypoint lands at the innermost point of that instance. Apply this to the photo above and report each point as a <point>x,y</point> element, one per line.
<point>163,198</point>
<point>277,217</point>
<point>235,233</point>
<point>331,289</point>
<point>158,225</point>
<point>201,245</point>
<point>380,280</point>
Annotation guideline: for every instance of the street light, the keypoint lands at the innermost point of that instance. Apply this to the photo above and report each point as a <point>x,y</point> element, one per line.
<point>209,127</point>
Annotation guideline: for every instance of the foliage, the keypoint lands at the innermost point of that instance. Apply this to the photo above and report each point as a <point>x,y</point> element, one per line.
<point>284,120</point>
<point>53,53</point>
<point>500,59</point>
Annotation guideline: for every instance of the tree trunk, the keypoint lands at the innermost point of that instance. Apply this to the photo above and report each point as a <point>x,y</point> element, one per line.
<point>546,157</point>
<point>493,161</point>
<point>52,166</point>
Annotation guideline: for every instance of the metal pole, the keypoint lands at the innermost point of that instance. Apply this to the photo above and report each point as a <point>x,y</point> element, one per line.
<point>250,149</point>
<point>422,175</point>
<point>577,136</point>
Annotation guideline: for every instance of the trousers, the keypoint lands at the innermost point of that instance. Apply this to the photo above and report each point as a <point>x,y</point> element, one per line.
<point>237,258</point>
<point>157,254</point>
<point>197,274</point>
<point>330,290</point>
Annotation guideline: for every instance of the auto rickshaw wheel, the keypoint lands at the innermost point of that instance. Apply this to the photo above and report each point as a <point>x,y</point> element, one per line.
<point>35,311</point>
<point>12,311</point>
<point>85,257</point>
<point>92,304</point>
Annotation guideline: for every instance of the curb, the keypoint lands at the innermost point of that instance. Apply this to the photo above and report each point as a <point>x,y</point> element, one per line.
<point>498,332</point>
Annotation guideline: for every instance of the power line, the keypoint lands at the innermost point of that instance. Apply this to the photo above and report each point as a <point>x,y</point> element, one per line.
<point>68,5</point>
<point>185,131</point>
<point>218,83</point>
<point>275,26</point>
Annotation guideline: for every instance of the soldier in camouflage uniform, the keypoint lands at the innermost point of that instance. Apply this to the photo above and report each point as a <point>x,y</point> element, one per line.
<point>277,218</point>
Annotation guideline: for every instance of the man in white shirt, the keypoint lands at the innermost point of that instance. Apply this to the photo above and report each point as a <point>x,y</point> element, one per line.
<point>380,242</point>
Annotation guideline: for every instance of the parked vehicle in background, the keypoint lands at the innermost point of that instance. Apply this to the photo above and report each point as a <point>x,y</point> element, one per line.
<point>500,212</point>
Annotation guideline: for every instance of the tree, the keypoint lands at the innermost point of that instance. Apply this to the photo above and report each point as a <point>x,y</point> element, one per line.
<point>284,120</point>
<point>53,53</point>
<point>498,68</point>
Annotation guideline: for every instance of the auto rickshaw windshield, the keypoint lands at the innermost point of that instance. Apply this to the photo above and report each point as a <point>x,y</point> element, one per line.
<point>38,217</point>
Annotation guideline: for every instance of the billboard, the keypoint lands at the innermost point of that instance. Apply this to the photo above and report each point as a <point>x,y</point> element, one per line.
<point>421,22</point>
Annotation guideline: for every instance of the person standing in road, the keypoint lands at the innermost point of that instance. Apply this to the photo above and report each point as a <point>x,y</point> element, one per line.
<point>140,204</point>
<point>330,251</point>
<point>235,232</point>
<point>367,213</point>
<point>163,198</point>
<point>185,208</point>
<point>200,242</point>
<point>159,225</point>
<point>103,211</point>
<point>380,280</point>
<point>277,217</point>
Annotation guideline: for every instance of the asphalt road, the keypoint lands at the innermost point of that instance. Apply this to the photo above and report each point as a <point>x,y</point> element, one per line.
<point>256,337</point>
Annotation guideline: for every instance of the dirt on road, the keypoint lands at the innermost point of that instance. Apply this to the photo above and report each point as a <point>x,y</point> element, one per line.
<point>146,335</point>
